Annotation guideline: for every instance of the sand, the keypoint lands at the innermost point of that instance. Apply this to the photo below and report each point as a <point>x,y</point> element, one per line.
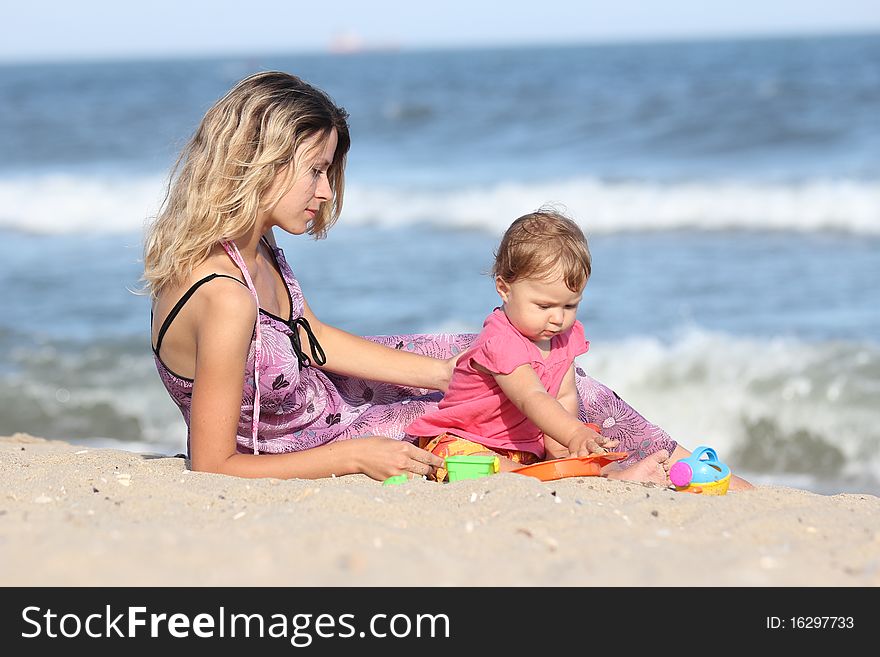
<point>74,515</point>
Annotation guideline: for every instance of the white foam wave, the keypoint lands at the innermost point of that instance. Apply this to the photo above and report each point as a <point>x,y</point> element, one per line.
<point>604,207</point>
<point>710,388</point>
<point>67,203</point>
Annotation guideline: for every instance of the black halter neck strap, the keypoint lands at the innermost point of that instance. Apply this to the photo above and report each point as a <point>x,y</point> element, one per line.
<point>314,346</point>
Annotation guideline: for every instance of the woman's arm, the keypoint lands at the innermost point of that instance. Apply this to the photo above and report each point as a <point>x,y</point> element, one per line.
<point>355,356</point>
<point>226,314</point>
<point>375,456</point>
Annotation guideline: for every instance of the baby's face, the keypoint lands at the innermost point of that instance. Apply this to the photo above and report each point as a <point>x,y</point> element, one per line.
<point>539,309</point>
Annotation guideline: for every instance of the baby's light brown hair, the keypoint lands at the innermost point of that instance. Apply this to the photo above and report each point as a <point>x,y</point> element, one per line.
<point>541,244</point>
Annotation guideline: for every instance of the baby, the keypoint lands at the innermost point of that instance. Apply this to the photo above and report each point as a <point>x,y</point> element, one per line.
<point>513,392</point>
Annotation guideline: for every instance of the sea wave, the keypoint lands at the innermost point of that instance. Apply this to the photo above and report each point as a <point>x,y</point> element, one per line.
<point>774,407</point>
<point>611,207</point>
<point>92,203</point>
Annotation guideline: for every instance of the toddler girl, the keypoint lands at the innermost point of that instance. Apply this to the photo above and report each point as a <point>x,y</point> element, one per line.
<point>513,392</point>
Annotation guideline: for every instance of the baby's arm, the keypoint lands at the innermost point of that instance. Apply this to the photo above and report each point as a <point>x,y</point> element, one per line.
<point>525,390</point>
<point>568,398</point>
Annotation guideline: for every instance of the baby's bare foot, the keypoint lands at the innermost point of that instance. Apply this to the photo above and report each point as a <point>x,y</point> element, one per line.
<point>653,468</point>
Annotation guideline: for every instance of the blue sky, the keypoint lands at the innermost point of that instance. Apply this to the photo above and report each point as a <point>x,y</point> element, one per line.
<point>45,30</point>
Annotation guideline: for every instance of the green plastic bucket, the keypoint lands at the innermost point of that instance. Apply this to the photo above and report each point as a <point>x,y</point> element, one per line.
<point>471,467</point>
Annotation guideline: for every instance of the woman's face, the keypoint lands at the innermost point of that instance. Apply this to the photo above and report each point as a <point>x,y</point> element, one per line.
<point>296,210</point>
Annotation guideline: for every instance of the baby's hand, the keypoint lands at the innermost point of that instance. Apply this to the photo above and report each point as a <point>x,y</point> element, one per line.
<point>590,441</point>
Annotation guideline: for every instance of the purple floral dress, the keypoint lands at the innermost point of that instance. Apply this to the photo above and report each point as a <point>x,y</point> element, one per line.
<point>303,407</point>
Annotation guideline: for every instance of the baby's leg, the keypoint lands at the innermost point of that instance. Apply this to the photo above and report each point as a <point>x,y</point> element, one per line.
<point>447,444</point>
<point>506,464</point>
<point>654,468</point>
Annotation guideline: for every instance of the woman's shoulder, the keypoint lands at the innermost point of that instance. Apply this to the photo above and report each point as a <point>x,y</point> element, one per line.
<point>218,262</point>
<point>209,302</point>
<point>214,287</point>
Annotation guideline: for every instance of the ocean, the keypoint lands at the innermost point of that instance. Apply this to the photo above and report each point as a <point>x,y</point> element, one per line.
<point>730,191</point>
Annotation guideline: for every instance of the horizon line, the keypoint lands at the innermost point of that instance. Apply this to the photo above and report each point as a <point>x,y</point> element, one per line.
<point>388,47</point>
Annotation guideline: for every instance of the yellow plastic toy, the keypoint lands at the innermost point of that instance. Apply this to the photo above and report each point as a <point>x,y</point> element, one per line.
<point>696,474</point>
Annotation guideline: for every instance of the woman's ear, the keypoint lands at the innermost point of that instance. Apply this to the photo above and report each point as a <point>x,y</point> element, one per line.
<point>502,288</point>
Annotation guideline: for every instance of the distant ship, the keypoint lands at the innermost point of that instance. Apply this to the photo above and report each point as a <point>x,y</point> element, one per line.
<point>348,43</point>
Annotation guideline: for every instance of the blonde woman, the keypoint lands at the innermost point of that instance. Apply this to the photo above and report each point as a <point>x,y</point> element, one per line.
<point>266,388</point>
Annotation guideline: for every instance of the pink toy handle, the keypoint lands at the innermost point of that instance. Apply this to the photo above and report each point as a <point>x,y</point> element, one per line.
<point>681,473</point>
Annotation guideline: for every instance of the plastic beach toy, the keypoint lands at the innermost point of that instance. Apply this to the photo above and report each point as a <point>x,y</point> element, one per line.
<point>575,466</point>
<point>701,472</point>
<point>471,467</point>
<point>582,466</point>
<point>396,479</point>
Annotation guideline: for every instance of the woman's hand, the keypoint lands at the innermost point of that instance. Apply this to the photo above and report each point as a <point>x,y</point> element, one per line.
<point>379,458</point>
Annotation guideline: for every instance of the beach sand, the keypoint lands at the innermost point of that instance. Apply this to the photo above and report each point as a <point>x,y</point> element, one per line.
<point>73,515</point>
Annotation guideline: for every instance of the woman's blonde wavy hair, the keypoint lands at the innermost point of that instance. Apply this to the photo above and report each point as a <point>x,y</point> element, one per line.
<point>217,187</point>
